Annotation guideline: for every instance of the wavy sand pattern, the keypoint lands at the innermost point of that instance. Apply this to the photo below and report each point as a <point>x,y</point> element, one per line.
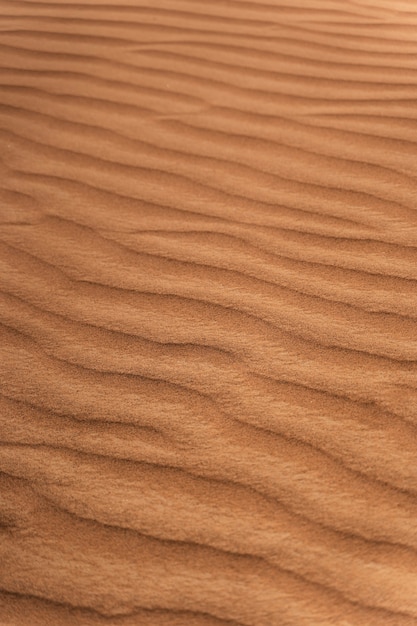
<point>208,251</point>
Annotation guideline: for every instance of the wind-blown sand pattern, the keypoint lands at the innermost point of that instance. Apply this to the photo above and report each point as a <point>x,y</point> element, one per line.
<point>208,248</point>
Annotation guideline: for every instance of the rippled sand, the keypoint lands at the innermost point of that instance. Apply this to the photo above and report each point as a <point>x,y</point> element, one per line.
<point>208,302</point>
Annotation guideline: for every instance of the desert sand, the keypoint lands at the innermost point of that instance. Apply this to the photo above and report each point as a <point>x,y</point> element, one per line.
<point>208,303</point>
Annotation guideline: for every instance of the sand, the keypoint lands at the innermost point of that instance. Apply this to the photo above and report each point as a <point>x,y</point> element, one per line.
<point>208,297</point>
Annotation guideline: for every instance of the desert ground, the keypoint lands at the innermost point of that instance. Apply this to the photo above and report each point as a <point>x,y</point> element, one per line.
<point>208,305</point>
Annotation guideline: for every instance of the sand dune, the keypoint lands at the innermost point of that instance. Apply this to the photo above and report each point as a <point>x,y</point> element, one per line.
<point>208,253</point>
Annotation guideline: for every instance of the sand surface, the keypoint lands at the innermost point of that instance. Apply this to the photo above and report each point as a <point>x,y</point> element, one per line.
<point>208,302</point>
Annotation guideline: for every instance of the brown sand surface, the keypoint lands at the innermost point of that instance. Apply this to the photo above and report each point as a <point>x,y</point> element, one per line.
<point>208,303</point>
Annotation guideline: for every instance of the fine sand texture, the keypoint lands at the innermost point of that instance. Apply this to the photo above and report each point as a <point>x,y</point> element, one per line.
<point>208,305</point>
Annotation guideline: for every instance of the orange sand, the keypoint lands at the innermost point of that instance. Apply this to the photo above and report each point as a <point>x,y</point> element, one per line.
<point>208,302</point>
